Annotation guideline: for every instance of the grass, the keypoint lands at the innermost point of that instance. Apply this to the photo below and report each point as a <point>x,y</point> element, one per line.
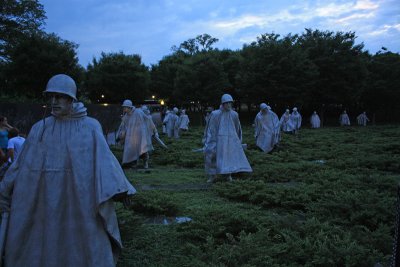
<point>293,210</point>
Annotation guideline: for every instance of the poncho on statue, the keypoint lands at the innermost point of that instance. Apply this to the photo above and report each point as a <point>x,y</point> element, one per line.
<point>60,190</point>
<point>362,119</point>
<point>206,120</point>
<point>152,129</point>
<point>183,121</point>
<point>267,129</point>
<point>171,124</point>
<point>315,121</point>
<point>164,127</point>
<point>295,118</point>
<point>286,123</point>
<point>223,145</point>
<point>137,136</point>
<point>344,119</point>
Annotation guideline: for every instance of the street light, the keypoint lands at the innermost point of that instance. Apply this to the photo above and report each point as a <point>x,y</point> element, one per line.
<point>162,103</point>
<point>102,96</point>
<point>153,96</point>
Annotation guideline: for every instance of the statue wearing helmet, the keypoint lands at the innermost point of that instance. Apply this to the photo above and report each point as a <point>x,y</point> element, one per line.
<point>226,98</point>
<point>223,143</point>
<point>62,84</point>
<point>127,106</point>
<point>62,188</point>
<point>344,119</point>
<point>295,118</point>
<point>135,135</point>
<point>127,109</point>
<point>267,128</point>
<point>171,122</point>
<point>315,121</point>
<point>61,92</point>
<point>362,119</point>
<point>286,123</point>
<point>183,121</point>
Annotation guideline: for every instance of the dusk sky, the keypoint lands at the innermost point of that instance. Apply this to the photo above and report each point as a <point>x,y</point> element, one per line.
<point>151,27</point>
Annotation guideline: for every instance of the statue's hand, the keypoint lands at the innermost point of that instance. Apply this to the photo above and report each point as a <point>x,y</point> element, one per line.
<point>124,198</point>
<point>127,202</point>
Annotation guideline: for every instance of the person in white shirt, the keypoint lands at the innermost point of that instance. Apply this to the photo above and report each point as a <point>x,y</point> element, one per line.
<point>15,143</point>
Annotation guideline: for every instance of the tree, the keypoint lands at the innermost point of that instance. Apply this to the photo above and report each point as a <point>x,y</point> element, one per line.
<point>18,18</point>
<point>341,66</point>
<point>117,76</point>
<point>163,75</point>
<point>202,43</point>
<point>35,59</point>
<point>231,61</point>
<point>190,73</point>
<point>382,92</point>
<point>275,70</point>
<point>201,79</point>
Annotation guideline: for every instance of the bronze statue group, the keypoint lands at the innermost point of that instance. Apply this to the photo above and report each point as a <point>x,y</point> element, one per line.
<point>57,198</point>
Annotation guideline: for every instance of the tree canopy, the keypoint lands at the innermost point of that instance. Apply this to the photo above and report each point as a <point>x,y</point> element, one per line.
<point>28,55</point>
<point>116,76</point>
<point>202,43</point>
<point>18,18</point>
<point>311,70</point>
<point>35,59</point>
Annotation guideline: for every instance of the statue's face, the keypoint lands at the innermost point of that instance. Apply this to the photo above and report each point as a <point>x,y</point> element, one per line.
<point>126,109</point>
<point>264,111</point>
<point>61,105</point>
<point>227,106</point>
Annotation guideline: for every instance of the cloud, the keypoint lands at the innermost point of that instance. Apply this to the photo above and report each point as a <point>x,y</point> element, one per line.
<point>364,17</point>
<point>366,5</point>
<point>336,10</point>
<point>385,29</point>
<point>229,27</point>
<point>357,16</point>
<point>150,28</point>
<point>242,22</point>
<point>332,12</point>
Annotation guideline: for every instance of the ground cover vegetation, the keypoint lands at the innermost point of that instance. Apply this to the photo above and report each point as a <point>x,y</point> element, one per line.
<point>326,198</point>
